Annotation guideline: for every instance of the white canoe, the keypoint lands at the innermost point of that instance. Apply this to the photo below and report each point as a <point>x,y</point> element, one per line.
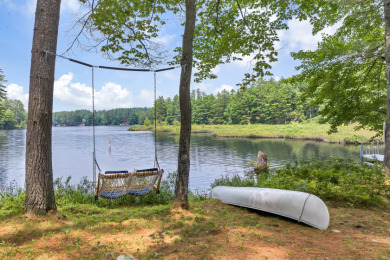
<point>301,206</point>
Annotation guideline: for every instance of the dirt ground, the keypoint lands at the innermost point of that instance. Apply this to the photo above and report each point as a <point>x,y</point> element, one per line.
<point>209,230</point>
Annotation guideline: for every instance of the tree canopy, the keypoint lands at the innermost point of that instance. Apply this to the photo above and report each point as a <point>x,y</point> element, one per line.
<point>346,74</point>
<point>225,31</point>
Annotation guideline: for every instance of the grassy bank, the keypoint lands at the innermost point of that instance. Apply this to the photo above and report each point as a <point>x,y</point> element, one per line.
<point>302,131</point>
<point>148,227</point>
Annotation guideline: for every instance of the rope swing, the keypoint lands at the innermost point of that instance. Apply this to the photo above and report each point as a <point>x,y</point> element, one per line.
<point>116,184</point>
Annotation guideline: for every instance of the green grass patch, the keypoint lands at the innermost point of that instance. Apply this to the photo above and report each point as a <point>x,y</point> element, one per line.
<point>302,131</point>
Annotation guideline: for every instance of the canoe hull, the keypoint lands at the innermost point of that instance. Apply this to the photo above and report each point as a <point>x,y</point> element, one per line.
<point>301,206</point>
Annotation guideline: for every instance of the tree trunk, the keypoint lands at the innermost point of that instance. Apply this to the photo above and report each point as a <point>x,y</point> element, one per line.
<point>39,173</point>
<point>183,169</point>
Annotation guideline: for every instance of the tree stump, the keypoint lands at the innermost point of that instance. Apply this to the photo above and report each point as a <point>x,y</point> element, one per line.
<point>261,163</point>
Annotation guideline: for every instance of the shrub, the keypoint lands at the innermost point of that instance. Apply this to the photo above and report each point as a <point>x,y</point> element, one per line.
<point>146,122</point>
<point>355,139</point>
<point>11,200</point>
<point>342,181</point>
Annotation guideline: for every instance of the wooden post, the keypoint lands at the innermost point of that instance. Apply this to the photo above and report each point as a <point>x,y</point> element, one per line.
<point>261,163</point>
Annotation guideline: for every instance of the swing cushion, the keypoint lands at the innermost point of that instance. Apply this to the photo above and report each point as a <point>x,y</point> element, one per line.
<point>111,194</point>
<point>148,170</point>
<point>139,192</point>
<point>113,172</point>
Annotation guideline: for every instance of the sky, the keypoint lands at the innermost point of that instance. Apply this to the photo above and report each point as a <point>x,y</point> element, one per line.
<point>115,89</point>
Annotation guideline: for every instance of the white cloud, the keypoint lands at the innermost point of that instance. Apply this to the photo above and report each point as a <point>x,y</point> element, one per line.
<point>223,87</point>
<point>246,61</point>
<point>166,39</point>
<point>78,95</point>
<point>112,95</point>
<point>299,35</point>
<point>215,70</point>
<point>203,86</point>
<point>145,98</point>
<point>15,91</point>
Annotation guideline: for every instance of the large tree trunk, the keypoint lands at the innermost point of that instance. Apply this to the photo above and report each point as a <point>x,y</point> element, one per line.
<point>183,169</point>
<point>39,173</point>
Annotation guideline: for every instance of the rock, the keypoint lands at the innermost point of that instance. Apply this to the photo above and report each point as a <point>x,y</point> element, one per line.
<point>126,257</point>
<point>111,254</point>
<point>336,231</point>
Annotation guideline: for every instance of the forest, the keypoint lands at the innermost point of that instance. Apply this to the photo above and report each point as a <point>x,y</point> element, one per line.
<point>125,116</point>
<point>265,102</point>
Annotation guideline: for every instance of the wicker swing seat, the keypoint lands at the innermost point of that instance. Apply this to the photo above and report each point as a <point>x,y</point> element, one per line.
<point>116,184</point>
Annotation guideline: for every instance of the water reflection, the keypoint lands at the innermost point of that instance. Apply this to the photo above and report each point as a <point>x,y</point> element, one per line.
<point>12,151</point>
<point>118,149</point>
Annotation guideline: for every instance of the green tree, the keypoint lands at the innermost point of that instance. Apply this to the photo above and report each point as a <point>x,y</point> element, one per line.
<point>146,122</point>
<point>349,72</point>
<point>161,109</point>
<point>17,108</point>
<point>220,105</point>
<point>173,110</point>
<point>8,120</point>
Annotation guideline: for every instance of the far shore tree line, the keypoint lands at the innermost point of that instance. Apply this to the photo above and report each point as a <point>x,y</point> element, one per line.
<point>265,102</point>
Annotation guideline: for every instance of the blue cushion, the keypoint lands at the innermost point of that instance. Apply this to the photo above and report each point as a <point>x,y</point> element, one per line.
<point>111,172</point>
<point>140,192</point>
<point>148,170</point>
<point>111,194</point>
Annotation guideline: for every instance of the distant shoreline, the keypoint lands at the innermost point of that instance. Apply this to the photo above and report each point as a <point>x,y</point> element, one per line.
<point>294,131</point>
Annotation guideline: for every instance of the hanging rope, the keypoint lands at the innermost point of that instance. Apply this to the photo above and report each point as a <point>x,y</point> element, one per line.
<point>93,128</point>
<point>156,164</point>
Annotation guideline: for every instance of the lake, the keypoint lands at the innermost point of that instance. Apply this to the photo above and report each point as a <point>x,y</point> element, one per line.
<point>211,157</point>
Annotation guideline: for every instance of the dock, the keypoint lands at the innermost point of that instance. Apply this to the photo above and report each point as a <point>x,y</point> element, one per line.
<point>371,154</point>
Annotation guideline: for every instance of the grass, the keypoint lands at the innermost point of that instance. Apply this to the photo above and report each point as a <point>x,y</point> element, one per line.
<point>148,228</point>
<point>299,131</point>
<point>210,229</point>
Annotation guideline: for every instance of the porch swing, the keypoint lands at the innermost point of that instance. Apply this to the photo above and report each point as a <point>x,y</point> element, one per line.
<point>116,184</point>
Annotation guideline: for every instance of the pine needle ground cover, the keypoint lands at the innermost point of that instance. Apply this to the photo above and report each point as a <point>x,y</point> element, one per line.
<point>298,131</point>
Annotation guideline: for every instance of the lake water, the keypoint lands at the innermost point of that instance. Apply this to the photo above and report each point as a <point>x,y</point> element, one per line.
<point>211,157</point>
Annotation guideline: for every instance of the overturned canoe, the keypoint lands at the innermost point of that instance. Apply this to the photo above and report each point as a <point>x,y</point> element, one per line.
<point>301,206</point>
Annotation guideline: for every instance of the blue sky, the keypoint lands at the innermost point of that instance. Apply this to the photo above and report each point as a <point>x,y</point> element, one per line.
<point>72,89</point>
